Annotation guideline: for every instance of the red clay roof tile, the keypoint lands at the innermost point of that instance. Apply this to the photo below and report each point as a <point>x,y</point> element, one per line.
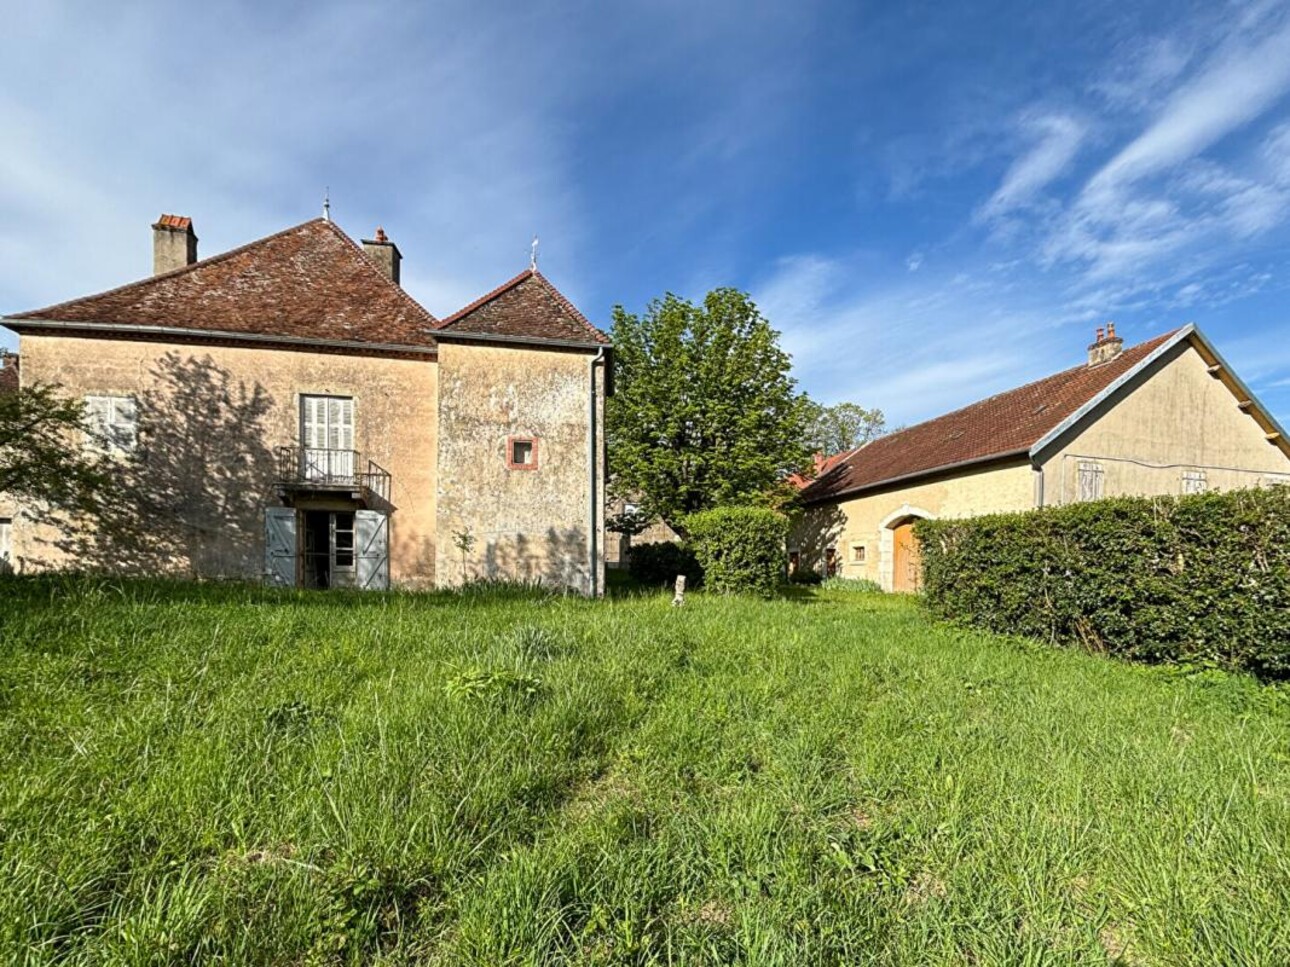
<point>1003,425</point>
<point>310,281</point>
<point>527,306</point>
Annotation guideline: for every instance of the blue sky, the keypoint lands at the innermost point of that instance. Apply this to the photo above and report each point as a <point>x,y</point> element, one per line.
<point>933,206</point>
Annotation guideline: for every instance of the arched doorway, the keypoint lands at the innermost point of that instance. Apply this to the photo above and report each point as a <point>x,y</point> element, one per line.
<point>906,562</point>
<point>901,567</point>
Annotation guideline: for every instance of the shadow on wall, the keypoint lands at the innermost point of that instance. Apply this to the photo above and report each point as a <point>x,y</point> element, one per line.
<point>815,532</point>
<point>557,559</point>
<point>190,497</point>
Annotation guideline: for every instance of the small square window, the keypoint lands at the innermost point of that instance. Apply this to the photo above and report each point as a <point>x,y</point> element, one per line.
<point>858,553</point>
<point>521,453</point>
<point>1194,482</point>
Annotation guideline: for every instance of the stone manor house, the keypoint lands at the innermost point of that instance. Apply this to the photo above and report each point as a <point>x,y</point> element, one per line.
<point>286,410</point>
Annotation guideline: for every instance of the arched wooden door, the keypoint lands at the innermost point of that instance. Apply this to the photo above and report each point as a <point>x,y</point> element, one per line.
<point>907,570</point>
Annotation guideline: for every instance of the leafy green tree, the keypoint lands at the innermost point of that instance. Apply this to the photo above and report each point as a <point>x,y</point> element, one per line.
<point>843,426</point>
<point>705,412</point>
<point>42,464</point>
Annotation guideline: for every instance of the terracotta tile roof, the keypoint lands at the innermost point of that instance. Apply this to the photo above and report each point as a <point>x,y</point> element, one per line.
<point>823,464</point>
<point>311,281</point>
<point>8,373</point>
<point>1003,425</point>
<point>528,306</point>
<point>179,222</point>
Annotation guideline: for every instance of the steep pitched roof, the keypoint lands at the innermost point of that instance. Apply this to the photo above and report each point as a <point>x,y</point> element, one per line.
<point>1008,424</point>
<point>527,307</point>
<point>307,282</point>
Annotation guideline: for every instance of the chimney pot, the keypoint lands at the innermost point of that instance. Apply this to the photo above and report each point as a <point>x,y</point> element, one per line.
<point>1106,347</point>
<point>384,253</point>
<point>174,243</point>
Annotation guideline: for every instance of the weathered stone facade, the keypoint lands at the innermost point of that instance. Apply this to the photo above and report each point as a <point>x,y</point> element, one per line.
<point>263,452</point>
<point>530,523</point>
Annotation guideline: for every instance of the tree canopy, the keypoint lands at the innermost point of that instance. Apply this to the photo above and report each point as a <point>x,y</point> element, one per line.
<point>843,426</point>
<point>41,461</point>
<point>705,411</point>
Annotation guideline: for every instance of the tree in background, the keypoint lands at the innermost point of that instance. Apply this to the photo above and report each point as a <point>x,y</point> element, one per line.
<point>705,412</point>
<point>843,426</point>
<point>42,463</point>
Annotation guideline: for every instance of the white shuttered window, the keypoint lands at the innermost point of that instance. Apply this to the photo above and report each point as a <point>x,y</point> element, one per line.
<point>113,423</point>
<point>1091,478</point>
<point>327,436</point>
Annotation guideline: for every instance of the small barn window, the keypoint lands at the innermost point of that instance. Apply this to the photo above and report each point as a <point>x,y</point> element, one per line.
<point>522,453</point>
<point>858,553</point>
<point>1091,478</point>
<point>1194,482</point>
<point>113,423</point>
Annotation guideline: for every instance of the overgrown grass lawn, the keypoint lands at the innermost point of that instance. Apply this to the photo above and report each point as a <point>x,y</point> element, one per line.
<point>243,776</point>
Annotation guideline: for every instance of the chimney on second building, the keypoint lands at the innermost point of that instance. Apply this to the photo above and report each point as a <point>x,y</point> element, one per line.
<point>1106,346</point>
<point>174,243</point>
<point>384,253</point>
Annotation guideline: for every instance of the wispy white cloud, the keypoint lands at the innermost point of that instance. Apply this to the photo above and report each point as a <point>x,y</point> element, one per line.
<point>1160,202</point>
<point>1240,82</point>
<point>1054,142</point>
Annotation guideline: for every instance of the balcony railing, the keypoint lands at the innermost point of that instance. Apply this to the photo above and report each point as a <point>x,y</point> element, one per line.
<point>316,468</point>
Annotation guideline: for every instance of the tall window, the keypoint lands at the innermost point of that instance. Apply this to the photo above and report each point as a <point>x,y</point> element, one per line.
<point>1091,478</point>
<point>327,437</point>
<point>1194,482</point>
<point>113,423</point>
<point>6,551</point>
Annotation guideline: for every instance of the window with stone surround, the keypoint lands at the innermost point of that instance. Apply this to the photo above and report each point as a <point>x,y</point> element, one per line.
<point>522,453</point>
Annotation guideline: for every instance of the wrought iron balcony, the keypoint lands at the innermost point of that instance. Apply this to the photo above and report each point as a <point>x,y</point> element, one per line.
<point>318,469</point>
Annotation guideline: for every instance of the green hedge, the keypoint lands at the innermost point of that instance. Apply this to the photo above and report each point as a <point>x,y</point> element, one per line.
<point>657,565</point>
<point>741,549</point>
<point>1204,578</point>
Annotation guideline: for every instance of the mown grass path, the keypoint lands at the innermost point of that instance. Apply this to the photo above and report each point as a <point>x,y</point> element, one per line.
<point>225,774</point>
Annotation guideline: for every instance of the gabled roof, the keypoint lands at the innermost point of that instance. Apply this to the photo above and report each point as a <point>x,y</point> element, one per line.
<point>310,282</point>
<point>528,307</point>
<point>1007,425</point>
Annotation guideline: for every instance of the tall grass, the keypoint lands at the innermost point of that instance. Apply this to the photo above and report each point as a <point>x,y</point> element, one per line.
<point>253,776</point>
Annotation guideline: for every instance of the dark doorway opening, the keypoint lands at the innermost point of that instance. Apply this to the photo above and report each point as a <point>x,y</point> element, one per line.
<point>329,549</point>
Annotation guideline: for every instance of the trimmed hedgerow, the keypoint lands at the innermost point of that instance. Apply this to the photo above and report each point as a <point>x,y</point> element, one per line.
<point>1198,579</point>
<point>741,549</point>
<point>657,565</point>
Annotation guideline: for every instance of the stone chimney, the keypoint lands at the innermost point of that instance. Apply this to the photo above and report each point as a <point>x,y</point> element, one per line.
<point>384,253</point>
<point>1106,346</point>
<point>174,243</point>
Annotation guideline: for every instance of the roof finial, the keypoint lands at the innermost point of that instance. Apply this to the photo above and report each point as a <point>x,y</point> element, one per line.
<point>533,255</point>
<point>327,204</point>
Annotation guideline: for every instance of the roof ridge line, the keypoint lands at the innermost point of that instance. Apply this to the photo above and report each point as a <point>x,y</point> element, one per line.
<point>200,263</point>
<point>569,306</point>
<point>406,296</point>
<point>485,299</point>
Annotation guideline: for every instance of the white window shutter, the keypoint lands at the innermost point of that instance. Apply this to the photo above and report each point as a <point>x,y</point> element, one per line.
<point>372,537</point>
<point>281,553</point>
